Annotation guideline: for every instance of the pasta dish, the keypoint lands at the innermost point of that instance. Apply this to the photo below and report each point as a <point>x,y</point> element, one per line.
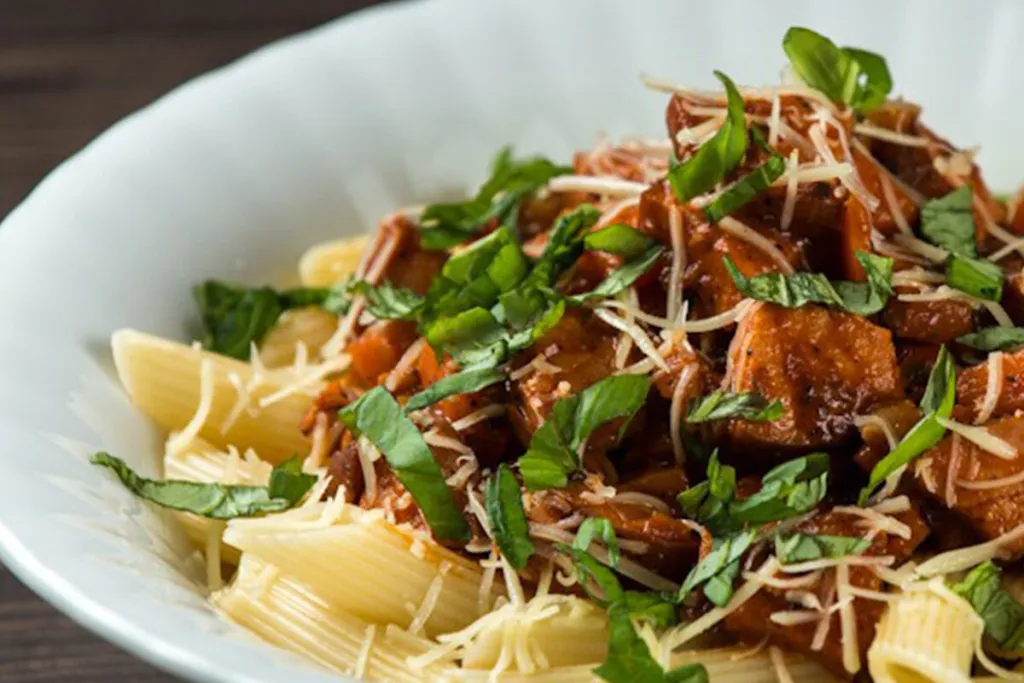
<point>742,403</point>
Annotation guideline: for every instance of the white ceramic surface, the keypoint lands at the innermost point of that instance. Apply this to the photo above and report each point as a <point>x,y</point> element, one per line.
<point>235,173</point>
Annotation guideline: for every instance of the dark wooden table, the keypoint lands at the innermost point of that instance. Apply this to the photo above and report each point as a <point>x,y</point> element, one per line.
<point>69,69</point>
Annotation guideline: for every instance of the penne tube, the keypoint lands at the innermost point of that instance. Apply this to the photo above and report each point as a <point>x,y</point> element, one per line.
<point>292,615</point>
<point>549,631</point>
<point>379,572</point>
<point>925,637</point>
<point>163,378</point>
<point>311,327</point>
<point>324,264</point>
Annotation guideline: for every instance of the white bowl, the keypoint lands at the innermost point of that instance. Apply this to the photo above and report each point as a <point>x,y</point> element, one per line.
<point>315,137</point>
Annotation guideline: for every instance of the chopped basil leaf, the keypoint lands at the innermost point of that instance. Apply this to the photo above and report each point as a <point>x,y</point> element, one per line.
<point>721,405</point>
<point>788,490</point>
<point>938,400</point>
<point>445,225</point>
<point>719,568</point>
<point>564,245</point>
<point>383,301</point>
<point>948,222</point>
<point>552,457</point>
<point>378,417</point>
<point>749,186</point>
<point>619,239</point>
<point>218,501</point>
<point>716,158</point>
<point>806,547</point>
<point>852,76</point>
<point>465,382</point>
<point>600,528</point>
<point>628,659</point>
<point>1003,616</point>
<point>800,289</point>
<point>622,277</point>
<point>994,338</point>
<point>234,317</point>
<point>473,337</point>
<point>477,276</point>
<point>504,503</point>
<point>658,609</point>
<point>978,277</point>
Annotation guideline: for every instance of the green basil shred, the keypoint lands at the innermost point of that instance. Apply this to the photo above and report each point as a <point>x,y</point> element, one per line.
<point>551,457</point>
<point>722,405</point>
<point>504,504</point>
<point>287,486</point>
<point>937,402</point>
<point>847,75</point>
<point>378,417</point>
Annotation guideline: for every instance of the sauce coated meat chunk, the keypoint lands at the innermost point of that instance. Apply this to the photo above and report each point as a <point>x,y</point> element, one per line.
<point>823,365</point>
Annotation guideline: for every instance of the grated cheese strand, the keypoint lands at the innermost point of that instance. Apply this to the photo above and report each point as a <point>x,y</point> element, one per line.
<point>608,186</point>
<point>756,239</point>
<point>981,438</point>
<point>993,387</point>
<point>964,558</point>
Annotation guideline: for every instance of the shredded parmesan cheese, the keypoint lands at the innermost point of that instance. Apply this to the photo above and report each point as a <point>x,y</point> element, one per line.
<point>177,444</point>
<point>359,670</point>
<point>789,206</point>
<point>751,236</point>
<point>872,131</point>
<point>993,387</point>
<point>643,342</point>
<point>982,438</point>
<point>607,186</point>
<point>485,413</point>
<point>847,620</point>
<point>964,558</point>
<point>675,280</point>
<point>723,319</point>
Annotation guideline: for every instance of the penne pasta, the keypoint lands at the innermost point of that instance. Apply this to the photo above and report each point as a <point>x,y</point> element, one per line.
<point>311,327</point>
<point>292,615</point>
<point>326,263</point>
<point>549,631</point>
<point>163,378</point>
<point>925,637</point>
<point>425,583</point>
<point>203,462</point>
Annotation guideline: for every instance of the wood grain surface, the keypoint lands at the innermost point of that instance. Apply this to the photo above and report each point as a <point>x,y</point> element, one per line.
<point>68,70</point>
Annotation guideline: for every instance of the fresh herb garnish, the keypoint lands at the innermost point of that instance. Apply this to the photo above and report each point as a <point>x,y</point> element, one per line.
<point>1003,616</point>
<point>378,417</point>
<point>384,301</point>
<point>978,277</point>
<point>447,224</point>
<point>465,382</point>
<point>787,490</point>
<point>287,486</point>
<point>619,239</point>
<point>848,75</point>
<point>504,504</point>
<point>716,158</point>
<point>806,547</point>
<point>937,402</point>
<point>552,455</point>
<point>622,277</point>
<point>629,660</point>
<point>948,222</point>
<point>994,338</point>
<point>719,568</point>
<point>749,186</point>
<point>600,528</point>
<point>234,317</point>
<point>721,405</point>
<point>477,276</point>
<point>800,289</point>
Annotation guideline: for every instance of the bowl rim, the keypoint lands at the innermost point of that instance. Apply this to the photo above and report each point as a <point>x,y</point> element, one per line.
<point>24,564</point>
